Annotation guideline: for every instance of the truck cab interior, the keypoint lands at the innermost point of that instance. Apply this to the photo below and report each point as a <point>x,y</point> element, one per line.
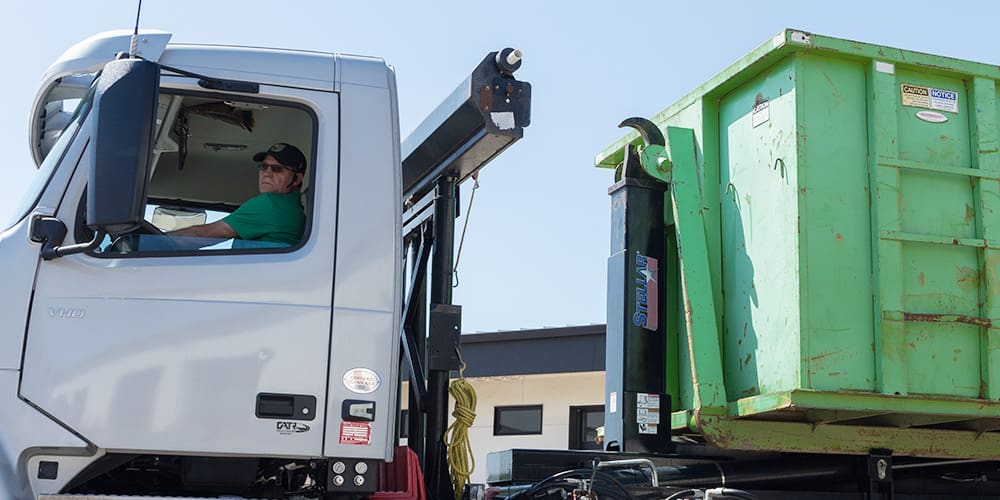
<point>203,169</point>
<point>203,166</point>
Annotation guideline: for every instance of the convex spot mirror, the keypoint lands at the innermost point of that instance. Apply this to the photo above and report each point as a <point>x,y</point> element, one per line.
<point>125,103</point>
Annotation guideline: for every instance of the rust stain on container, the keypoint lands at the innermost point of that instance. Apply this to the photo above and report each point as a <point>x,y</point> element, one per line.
<point>970,213</point>
<point>922,279</point>
<point>947,318</point>
<point>993,271</point>
<point>840,237</point>
<point>968,278</point>
<point>826,355</point>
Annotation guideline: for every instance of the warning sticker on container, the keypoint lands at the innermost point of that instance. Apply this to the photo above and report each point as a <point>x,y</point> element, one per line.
<point>930,98</point>
<point>761,114</point>
<point>647,412</point>
<point>356,433</point>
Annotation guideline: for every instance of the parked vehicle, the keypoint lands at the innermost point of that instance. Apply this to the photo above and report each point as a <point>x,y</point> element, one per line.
<point>140,363</point>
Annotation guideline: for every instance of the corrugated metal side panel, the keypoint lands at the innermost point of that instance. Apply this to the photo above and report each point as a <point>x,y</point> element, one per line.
<point>934,213</point>
<point>834,225</point>
<point>759,172</point>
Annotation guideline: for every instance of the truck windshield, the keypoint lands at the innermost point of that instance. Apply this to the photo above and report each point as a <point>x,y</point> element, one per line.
<point>41,178</point>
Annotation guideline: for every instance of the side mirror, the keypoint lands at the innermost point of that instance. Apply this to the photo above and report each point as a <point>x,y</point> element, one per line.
<point>125,104</point>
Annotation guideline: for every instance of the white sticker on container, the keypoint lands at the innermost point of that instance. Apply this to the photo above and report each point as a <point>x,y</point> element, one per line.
<point>504,120</point>
<point>918,96</point>
<point>761,113</point>
<point>884,67</point>
<point>799,37</point>
<point>932,116</point>
<point>362,381</point>
<point>613,402</point>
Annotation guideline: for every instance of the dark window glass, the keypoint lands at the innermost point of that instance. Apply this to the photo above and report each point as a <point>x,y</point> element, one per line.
<point>404,424</point>
<point>583,424</point>
<point>516,420</point>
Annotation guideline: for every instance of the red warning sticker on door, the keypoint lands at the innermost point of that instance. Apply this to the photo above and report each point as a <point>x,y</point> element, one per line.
<point>356,433</point>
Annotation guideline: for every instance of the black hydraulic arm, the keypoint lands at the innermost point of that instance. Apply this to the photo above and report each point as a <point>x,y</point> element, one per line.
<point>483,116</point>
<point>479,120</point>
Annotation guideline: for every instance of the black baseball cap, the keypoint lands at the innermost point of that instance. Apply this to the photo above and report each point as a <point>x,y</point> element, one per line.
<point>286,154</point>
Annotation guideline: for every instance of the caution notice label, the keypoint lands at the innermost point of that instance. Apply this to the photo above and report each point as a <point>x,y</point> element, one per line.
<point>918,96</point>
<point>647,409</point>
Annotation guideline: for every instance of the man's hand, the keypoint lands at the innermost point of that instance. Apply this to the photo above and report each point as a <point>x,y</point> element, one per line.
<point>217,229</point>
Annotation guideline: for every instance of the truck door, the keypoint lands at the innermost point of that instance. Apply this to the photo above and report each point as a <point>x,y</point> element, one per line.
<point>146,344</point>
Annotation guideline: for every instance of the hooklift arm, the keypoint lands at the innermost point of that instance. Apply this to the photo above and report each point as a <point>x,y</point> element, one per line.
<point>482,117</point>
<point>479,120</point>
<point>677,168</point>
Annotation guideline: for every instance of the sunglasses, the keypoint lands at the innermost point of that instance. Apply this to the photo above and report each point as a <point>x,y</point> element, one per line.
<point>273,167</point>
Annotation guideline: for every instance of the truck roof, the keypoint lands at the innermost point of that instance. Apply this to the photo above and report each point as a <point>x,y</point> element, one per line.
<point>70,75</point>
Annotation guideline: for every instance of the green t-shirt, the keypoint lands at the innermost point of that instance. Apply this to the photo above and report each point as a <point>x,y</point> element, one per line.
<point>277,218</point>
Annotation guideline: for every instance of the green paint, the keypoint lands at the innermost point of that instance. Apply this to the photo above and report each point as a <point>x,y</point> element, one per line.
<point>845,245</point>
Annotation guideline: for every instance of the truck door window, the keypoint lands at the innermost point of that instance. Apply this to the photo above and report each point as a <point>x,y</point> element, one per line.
<point>207,175</point>
<point>81,109</point>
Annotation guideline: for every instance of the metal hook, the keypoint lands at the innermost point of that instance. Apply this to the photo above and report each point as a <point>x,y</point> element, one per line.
<point>781,162</point>
<point>732,191</point>
<point>461,370</point>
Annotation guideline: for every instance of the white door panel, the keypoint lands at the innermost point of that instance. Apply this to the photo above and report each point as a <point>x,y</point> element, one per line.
<point>176,374</point>
<point>168,354</point>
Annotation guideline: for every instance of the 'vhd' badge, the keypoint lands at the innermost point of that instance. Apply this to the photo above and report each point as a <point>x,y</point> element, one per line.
<point>287,428</point>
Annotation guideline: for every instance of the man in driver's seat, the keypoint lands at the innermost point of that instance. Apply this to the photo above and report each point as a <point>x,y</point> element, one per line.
<point>276,214</point>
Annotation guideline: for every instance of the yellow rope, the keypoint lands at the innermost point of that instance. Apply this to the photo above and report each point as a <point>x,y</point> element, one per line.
<point>460,459</point>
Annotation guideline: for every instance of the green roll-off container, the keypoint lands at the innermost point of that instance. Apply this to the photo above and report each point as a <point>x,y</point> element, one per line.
<point>850,204</point>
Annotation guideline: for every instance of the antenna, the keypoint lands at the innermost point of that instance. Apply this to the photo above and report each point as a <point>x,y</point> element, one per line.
<point>135,34</point>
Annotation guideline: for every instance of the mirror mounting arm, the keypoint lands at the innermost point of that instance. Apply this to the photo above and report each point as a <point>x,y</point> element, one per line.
<point>50,232</point>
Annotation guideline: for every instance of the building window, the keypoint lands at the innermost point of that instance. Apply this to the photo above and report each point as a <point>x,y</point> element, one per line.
<point>517,420</point>
<point>404,424</point>
<point>583,424</point>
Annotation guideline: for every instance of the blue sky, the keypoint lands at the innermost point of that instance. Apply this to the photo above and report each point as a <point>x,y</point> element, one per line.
<point>536,249</point>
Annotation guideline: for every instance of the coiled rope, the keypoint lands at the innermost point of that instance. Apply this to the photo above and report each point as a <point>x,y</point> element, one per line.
<point>460,459</point>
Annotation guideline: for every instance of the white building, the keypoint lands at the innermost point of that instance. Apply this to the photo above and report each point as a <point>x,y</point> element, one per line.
<point>540,389</point>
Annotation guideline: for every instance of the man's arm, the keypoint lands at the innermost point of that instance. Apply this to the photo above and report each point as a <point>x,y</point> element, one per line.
<point>217,229</point>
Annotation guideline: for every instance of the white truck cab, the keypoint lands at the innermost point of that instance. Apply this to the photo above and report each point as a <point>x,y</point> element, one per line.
<point>139,347</point>
<point>137,363</point>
